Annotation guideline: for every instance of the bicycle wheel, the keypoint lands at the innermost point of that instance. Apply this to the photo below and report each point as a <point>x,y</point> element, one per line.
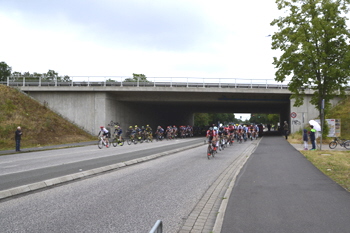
<point>135,141</point>
<point>129,141</point>
<point>100,144</point>
<point>209,152</point>
<point>115,142</point>
<point>121,142</point>
<point>347,144</point>
<point>333,145</point>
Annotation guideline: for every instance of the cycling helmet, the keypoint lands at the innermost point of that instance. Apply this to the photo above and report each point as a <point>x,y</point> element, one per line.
<point>101,127</point>
<point>130,126</point>
<point>211,128</point>
<point>135,126</point>
<point>215,128</point>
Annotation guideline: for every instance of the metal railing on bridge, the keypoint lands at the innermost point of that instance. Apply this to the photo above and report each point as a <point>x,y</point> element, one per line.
<point>119,81</point>
<point>122,81</point>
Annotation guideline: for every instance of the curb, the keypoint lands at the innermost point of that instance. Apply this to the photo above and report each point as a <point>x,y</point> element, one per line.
<point>75,176</point>
<point>220,217</point>
<point>208,214</point>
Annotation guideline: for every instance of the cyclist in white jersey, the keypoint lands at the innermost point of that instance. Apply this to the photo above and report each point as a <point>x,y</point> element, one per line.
<point>104,132</point>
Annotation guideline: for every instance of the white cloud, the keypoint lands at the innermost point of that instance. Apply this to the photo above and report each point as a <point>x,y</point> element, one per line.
<point>157,38</point>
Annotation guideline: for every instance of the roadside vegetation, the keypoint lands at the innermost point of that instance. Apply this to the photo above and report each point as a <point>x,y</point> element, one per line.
<point>333,163</point>
<point>40,125</point>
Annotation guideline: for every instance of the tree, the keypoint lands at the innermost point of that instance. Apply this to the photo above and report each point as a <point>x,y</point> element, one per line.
<point>52,75</point>
<point>316,54</point>
<point>137,77</point>
<point>5,71</point>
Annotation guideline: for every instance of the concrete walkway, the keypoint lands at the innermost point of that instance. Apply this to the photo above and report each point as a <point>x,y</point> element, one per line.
<point>279,190</point>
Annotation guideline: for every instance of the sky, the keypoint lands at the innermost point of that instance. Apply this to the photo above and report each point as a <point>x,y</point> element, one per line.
<point>157,38</point>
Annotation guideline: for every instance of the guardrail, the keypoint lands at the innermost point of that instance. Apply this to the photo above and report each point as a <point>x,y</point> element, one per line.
<point>118,81</point>
<point>150,82</point>
<point>157,228</point>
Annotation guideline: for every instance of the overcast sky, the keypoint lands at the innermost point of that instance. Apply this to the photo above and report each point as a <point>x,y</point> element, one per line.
<point>158,38</point>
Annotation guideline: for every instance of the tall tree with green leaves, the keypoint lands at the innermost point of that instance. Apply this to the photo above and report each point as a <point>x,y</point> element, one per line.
<point>314,39</point>
<point>5,71</point>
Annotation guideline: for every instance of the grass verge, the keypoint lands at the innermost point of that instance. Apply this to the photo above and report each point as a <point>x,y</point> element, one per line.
<point>334,164</point>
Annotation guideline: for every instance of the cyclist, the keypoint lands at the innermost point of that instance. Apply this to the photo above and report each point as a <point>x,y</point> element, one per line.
<point>118,133</point>
<point>175,131</point>
<point>231,130</point>
<point>251,132</point>
<point>239,133</point>
<point>183,131</point>
<point>245,132</point>
<point>256,129</point>
<point>105,134</point>
<point>148,131</point>
<point>131,132</point>
<point>221,137</point>
<point>143,130</point>
<point>212,138</point>
<point>159,132</point>
<point>138,132</point>
<point>168,132</point>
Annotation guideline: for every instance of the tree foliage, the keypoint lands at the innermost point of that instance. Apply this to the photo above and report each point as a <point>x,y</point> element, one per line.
<point>205,119</point>
<point>314,39</point>
<point>5,71</point>
<point>50,76</point>
<point>137,77</point>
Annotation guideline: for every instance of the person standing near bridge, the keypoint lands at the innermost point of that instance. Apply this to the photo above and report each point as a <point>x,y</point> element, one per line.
<point>286,129</point>
<point>18,135</point>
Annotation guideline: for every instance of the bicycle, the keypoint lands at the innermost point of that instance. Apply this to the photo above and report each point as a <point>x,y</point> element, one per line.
<point>131,139</point>
<point>211,151</point>
<point>103,141</point>
<point>159,137</point>
<point>342,142</point>
<point>222,143</point>
<point>240,138</point>
<point>113,123</point>
<point>116,141</point>
<point>148,137</point>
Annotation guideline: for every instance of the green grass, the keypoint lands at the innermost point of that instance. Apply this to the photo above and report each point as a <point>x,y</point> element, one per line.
<point>40,125</point>
<point>335,164</point>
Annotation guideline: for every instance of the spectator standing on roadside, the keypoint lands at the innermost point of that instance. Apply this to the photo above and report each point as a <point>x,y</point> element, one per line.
<point>313,137</point>
<point>306,140</point>
<point>18,135</point>
<point>286,129</point>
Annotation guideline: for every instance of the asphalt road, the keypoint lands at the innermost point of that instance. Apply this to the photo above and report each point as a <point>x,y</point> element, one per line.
<point>25,168</point>
<point>130,199</point>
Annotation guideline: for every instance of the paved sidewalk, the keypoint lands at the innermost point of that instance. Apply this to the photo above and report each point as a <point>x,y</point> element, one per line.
<point>279,190</point>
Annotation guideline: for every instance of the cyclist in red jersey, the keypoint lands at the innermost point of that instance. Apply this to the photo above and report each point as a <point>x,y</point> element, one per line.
<point>231,129</point>
<point>212,137</point>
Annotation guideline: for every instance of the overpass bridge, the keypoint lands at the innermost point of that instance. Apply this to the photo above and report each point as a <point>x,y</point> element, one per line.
<point>90,102</point>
